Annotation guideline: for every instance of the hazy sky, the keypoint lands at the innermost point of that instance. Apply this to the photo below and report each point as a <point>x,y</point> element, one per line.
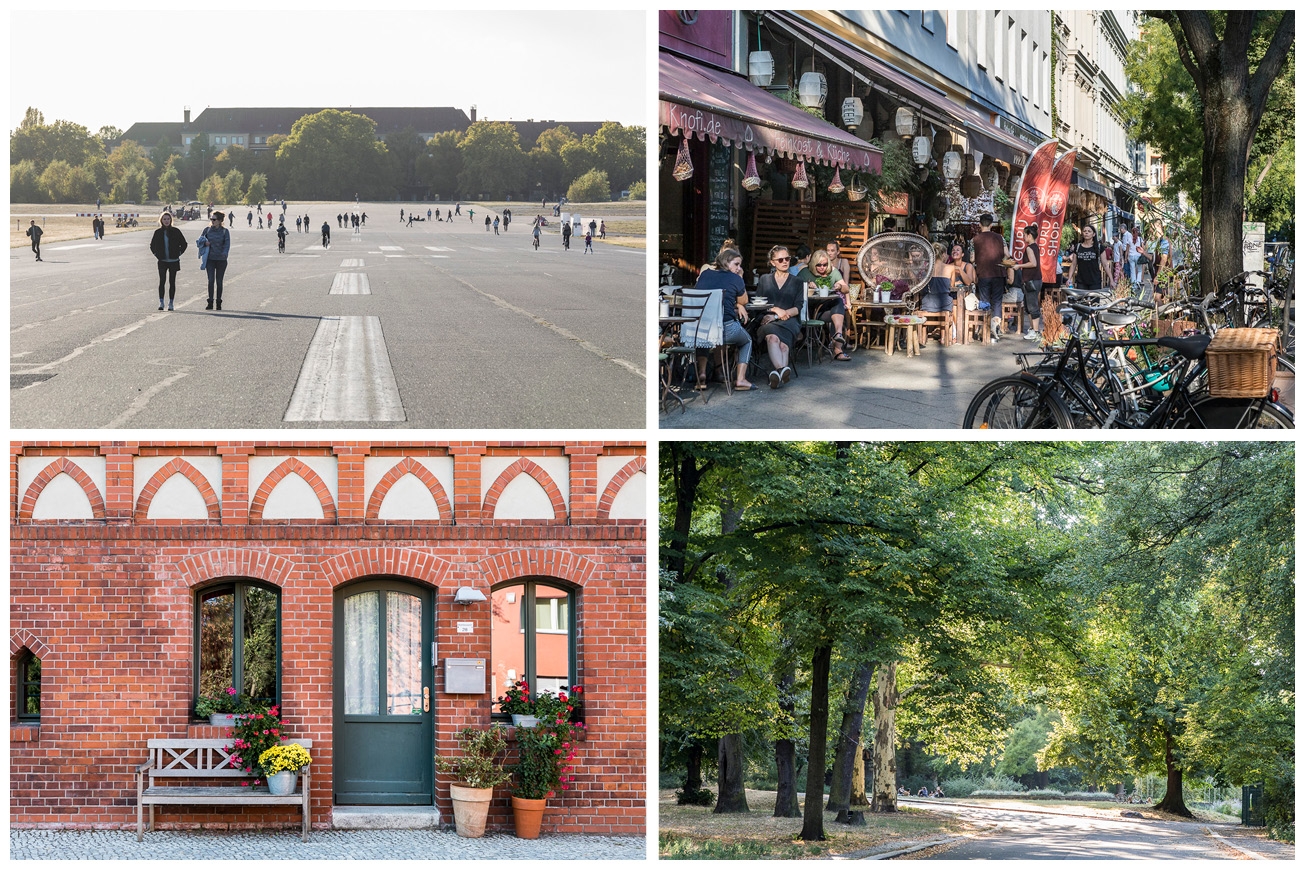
<point>97,68</point>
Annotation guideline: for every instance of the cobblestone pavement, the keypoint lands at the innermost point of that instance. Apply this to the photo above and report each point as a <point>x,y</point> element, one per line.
<point>276,845</point>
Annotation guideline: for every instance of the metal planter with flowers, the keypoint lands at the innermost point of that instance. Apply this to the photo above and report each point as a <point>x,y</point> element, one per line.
<point>282,765</point>
<point>221,709</point>
<point>546,759</point>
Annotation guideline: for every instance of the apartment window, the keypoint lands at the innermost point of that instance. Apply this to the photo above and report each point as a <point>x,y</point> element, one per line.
<point>238,641</point>
<point>1012,59</point>
<point>998,48</point>
<point>533,636</point>
<point>981,38</point>
<point>927,20</point>
<point>28,686</point>
<point>951,26</point>
<point>1026,60</point>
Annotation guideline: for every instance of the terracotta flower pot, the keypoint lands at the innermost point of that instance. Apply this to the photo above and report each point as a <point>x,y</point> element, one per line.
<point>470,808</point>
<point>528,815</point>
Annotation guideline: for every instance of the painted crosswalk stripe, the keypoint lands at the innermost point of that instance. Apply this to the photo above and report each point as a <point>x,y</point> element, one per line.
<point>346,375</point>
<point>390,247</point>
<point>350,284</point>
<point>438,248</point>
<point>352,263</point>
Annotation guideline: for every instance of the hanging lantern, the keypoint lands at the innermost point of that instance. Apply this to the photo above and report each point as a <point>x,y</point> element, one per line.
<point>1003,174</point>
<point>942,139</point>
<point>853,112</point>
<point>836,186</point>
<point>952,166</point>
<point>920,150</point>
<point>904,122</point>
<point>988,172</point>
<point>970,187</point>
<point>800,181</point>
<point>969,164</point>
<point>812,90</point>
<point>751,179</point>
<point>683,165</point>
<point>761,68</point>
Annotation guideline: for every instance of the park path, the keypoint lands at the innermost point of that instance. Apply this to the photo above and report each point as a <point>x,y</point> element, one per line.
<point>1021,834</point>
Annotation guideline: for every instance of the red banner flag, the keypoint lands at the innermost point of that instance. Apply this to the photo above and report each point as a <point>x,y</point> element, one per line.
<point>1032,196</point>
<point>1052,219</point>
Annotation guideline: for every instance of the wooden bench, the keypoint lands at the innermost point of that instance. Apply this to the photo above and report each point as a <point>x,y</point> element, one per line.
<point>206,759</point>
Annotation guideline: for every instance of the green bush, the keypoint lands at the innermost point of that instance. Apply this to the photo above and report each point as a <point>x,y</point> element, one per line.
<point>590,187</point>
<point>1090,795</point>
<point>639,190</point>
<point>960,786</point>
<point>703,797</point>
<point>1280,802</point>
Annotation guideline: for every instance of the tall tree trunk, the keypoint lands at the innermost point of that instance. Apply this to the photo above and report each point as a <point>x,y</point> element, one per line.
<point>849,739</point>
<point>731,761</point>
<point>1173,799</point>
<point>687,476</point>
<point>857,799</point>
<point>693,768</point>
<point>730,764</point>
<point>813,810</point>
<point>883,795</point>
<point>786,800</point>
<point>1223,188</point>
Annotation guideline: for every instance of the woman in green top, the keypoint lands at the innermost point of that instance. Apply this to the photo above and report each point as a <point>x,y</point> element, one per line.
<point>820,272</point>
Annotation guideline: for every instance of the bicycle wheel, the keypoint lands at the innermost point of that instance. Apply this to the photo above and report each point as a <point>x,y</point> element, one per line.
<point>1016,403</point>
<point>1207,412</point>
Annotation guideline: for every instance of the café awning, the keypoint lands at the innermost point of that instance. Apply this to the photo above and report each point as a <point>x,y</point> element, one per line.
<point>700,101</point>
<point>982,134</point>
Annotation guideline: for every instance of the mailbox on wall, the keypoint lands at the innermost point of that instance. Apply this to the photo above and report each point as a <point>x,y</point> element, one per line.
<point>464,676</point>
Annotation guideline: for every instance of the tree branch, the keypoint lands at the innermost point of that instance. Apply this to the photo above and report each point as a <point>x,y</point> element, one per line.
<point>1184,53</point>
<point>1274,58</point>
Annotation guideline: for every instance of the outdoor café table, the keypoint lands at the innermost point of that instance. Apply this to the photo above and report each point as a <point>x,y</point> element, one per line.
<point>667,326</point>
<point>889,308</point>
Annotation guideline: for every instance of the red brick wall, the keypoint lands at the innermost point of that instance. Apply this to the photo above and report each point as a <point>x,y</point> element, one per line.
<point>107,604</point>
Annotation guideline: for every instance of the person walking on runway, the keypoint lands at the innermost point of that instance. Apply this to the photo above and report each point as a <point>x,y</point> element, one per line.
<point>215,246</point>
<point>34,233</point>
<point>168,244</point>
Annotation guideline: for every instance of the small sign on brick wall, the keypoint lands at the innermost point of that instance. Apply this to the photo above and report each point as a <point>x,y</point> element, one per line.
<point>466,628</point>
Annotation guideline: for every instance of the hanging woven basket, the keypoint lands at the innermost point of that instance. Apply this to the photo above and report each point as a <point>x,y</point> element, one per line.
<point>857,191</point>
<point>800,181</point>
<point>836,186</point>
<point>751,178</point>
<point>683,165</point>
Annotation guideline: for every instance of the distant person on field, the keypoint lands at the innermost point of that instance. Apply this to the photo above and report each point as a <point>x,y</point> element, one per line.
<point>167,246</point>
<point>589,243</point>
<point>486,223</point>
<point>602,229</point>
<point>299,224</point>
<point>34,233</point>
<point>326,234</point>
<point>495,224</point>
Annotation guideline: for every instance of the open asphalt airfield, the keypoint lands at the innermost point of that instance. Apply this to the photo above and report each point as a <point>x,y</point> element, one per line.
<point>437,325</point>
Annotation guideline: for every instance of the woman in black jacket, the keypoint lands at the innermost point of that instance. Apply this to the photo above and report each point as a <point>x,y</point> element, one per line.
<point>168,245</point>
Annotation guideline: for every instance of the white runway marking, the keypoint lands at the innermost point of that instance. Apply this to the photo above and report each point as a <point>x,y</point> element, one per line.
<point>390,248</point>
<point>346,375</point>
<point>352,263</point>
<point>485,250</point>
<point>438,248</point>
<point>350,284</point>
<point>438,256</point>
<point>75,247</point>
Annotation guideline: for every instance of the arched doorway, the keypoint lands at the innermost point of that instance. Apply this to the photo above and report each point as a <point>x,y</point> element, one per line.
<point>383,721</point>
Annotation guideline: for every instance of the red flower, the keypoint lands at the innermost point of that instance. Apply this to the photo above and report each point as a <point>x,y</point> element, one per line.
<point>565,786</point>
<point>576,690</point>
<point>550,794</point>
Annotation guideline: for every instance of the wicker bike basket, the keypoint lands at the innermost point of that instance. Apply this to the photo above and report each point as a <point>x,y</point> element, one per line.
<point>1242,363</point>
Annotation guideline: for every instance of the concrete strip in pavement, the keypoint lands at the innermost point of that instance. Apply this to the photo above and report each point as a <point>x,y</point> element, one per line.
<point>352,263</point>
<point>1021,809</point>
<point>346,375</point>
<point>350,284</point>
<point>1229,843</point>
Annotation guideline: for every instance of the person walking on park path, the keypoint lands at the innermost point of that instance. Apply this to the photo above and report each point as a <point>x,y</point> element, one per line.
<point>536,235</point>
<point>364,219</point>
<point>457,208</point>
<point>260,220</point>
<point>34,233</point>
<point>214,247</point>
<point>428,213</point>
<point>486,223</point>
<point>496,226</point>
<point>299,224</point>
<point>326,234</point>
<point>602,229</point>
<point>400,215</point>
<point>251,219</point>
<point>589,243</point>
<point>269,220</point>
<point>471,215</point>
<point>281,233</point>
<point>168,244</point>
<point>989,248</point>
<point>593,227</point>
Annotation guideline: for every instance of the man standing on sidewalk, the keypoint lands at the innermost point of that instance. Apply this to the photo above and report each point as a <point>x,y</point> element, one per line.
<point>34,233</point>
<point>989,247</point>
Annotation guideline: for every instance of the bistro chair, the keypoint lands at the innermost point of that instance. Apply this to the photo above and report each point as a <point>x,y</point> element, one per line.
<point>940,320</point>
<point>973,325</point>
<point>1013,312</point>
<point>813,334</point>
<point>691,305</point>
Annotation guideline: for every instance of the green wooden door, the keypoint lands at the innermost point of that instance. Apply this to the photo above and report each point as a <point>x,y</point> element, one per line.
<point>383,724</point>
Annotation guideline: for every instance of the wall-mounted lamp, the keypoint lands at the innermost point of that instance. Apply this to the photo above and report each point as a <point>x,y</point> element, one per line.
<point>466,596</point>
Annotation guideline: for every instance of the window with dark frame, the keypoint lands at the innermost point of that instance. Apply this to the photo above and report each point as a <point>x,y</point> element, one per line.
<point>533,636</point>
<point>238,641</point>
<point>28,686</point>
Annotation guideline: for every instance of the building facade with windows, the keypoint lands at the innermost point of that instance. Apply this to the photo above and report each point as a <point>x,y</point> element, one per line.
<point>382,593</point>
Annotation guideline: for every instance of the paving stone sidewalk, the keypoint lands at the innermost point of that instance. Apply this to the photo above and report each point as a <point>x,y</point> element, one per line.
<point>27,845</point>
<point>872,391</point>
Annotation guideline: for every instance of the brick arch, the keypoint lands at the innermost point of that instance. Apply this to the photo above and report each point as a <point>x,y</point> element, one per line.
<point>191,473</point>
<point>525,466</point>
<point>62,465</point>
<point>422,473</point>
<point>292,465</point>
<point>24,640</point>
<point>620,479</point>
<point>256,564</point>
<point>514,564</point>
<point>399,561</point>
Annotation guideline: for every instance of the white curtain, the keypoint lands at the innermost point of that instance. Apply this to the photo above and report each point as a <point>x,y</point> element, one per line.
<point>362,654</point>
<point>403,653</point>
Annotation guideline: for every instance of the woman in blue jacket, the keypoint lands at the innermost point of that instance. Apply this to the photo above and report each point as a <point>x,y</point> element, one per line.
<point>167,246</point>
<point>215,245</point>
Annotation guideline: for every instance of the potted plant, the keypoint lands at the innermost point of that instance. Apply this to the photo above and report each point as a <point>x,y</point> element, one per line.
<point>476,769</point>
<point>281,765</point>
<point>254,733</point>
<point>220,709</point>
<point>544,764</point>
<point>517,703</point>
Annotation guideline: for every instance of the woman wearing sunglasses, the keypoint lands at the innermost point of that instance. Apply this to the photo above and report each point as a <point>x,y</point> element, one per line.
<point>780,325</point>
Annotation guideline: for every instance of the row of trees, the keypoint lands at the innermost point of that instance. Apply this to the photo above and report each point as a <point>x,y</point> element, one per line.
<point>1106,610</point>
<point>328,155</point>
